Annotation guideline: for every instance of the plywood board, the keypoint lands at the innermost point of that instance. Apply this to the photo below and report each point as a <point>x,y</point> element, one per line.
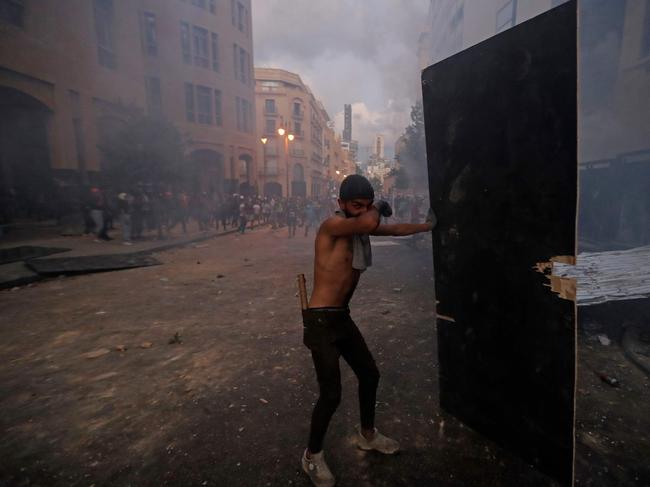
<point>501,131</point>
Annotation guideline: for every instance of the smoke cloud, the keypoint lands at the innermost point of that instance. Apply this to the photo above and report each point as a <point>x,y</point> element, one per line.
<point>348,51</point>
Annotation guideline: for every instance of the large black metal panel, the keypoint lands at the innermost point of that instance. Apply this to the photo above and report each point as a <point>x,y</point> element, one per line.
<point>502,152</point>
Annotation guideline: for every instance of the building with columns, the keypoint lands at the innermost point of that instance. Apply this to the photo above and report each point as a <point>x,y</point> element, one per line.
<point>298,162</point>
<point>69,69</point>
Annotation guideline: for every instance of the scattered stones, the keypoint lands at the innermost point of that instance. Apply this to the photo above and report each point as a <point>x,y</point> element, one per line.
<point>397,289</point>
<point>385,312</point>
<point>263,401</point>
<point>175,339</point>
<point>145,345</point>
<point>105,376</point>
<point>96,353</point>
<point>220,276</point>
<point>164,279</point>
<point>101,313</point>
<point>604,340</point>
<point>121,348</point>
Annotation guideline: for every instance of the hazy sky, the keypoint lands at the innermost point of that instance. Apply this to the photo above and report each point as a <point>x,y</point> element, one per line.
<point>361,52</point>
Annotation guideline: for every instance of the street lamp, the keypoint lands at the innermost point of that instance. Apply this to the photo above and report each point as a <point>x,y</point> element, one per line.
<point>287,139</point>
<point>264,140</point>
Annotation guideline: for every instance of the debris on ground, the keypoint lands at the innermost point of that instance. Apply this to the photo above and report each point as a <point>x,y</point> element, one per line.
<point>604,340</point>
<point>146,345</point>
<point>263,401</point>
<point>164,279</point>
<point>612,381</point>
<point>175,339</point>
<point>90,263</point>
<point>385,312</point>
<point>219,276</point>
<point>97,353</point>
<point>397,289</point>
<point>121,348</point>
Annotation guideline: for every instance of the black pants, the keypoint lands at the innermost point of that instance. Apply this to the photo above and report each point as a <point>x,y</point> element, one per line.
<point>330,333</point>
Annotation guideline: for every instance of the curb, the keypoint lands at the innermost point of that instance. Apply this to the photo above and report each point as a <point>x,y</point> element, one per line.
<point>161,248</point>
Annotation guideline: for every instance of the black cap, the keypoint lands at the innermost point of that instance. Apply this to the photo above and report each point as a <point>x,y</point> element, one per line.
<point>356,186</point>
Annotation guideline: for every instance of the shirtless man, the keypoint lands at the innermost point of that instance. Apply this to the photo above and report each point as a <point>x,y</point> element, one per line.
<point>342,253</point>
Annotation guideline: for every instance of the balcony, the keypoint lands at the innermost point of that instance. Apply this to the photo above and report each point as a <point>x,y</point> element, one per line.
<point>271,89</point>
<point>269,171</point>
<point>271,111</point>
<point>298,114</point>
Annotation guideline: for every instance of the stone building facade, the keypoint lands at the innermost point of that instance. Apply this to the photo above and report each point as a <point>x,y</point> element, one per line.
<point>68,71</point>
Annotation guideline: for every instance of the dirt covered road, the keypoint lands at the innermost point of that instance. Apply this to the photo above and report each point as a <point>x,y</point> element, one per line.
<point>92,392</point>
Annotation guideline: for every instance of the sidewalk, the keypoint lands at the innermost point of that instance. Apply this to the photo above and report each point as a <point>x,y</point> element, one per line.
<point>46,236</point>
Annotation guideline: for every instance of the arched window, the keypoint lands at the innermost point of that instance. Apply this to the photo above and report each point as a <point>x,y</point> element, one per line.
<point>298,172</point>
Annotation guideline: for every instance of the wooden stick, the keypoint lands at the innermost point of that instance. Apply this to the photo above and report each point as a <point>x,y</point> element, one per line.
<point>302,291</point>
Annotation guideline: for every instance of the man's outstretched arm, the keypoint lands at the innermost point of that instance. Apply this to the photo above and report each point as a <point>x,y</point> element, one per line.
<point>401,229</point>
<point>340,227</point>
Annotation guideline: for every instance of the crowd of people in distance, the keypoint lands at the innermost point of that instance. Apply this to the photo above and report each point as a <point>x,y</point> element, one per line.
<point>162,210</point>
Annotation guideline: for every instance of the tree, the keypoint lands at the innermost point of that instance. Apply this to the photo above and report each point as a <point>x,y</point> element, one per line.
<point>413,157</point>
<point>375,182</point>
<point>401,178</point>
<point>143,149</point>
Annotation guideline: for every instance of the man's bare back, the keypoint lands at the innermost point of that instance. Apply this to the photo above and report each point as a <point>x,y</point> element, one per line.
<point>334,277</point>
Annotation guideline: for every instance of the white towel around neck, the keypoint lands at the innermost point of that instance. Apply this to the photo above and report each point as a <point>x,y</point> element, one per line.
<point>361,250</point>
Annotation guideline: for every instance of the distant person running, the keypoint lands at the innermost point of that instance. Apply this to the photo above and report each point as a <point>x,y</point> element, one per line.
<point>311,217</point>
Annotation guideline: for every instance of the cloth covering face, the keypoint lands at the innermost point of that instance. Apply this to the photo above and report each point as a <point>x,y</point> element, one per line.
<point>361,250</point>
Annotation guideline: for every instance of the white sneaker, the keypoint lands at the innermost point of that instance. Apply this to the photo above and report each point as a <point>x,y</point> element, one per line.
<point>381,443</point>
<point>317,469</point>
